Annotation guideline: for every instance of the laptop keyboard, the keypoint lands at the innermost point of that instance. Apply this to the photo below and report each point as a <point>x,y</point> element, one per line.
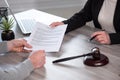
<point>28,24</point>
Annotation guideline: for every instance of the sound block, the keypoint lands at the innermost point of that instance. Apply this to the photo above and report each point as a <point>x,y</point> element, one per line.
<point>90,61</point>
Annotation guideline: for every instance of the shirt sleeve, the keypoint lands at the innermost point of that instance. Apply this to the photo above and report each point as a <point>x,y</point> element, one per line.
<point>19,72</point>
<point>3,47</point>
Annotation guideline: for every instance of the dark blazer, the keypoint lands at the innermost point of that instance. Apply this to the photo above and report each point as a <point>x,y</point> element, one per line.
<point>90,12</point>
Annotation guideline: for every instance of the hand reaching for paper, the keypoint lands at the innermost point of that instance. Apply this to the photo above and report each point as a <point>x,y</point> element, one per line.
<point>55,24</point>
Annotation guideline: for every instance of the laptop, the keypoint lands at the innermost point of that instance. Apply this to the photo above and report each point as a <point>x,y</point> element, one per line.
<point>26,24</point>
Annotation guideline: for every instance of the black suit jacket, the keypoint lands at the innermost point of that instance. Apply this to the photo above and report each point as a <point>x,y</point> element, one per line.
<point>90,12</point>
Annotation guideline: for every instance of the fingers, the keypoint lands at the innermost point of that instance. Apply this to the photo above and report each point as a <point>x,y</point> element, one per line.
<point>26,51</point>
<point>18,45</point>
<point>25,44</point>
<point>38,58</point>
<point>97,33</point>
<point>41,63</point>
<point>21,49</point>
<point>102,37</point>
<point>55,24</point>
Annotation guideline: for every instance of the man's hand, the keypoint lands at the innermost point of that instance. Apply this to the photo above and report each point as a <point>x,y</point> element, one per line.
<point>102,37</point>
<point>38,58</point>
<point>17,45</point>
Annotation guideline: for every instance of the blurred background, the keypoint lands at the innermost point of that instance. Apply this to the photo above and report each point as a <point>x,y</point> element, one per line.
<point>63,8</point>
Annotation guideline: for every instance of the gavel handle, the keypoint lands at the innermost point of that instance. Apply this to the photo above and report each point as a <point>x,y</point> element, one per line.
<point>70,58</point>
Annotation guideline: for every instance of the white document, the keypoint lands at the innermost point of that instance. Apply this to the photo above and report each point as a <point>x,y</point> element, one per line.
<point>43,37</point>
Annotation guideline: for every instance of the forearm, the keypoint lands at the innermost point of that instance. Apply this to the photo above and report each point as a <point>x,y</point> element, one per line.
<point>19,72</point>
<point>72,25</point>
<point>80,18</point>
<point>77,20</point>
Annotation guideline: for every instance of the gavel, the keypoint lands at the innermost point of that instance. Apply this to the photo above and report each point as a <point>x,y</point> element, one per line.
<point>94,58</point>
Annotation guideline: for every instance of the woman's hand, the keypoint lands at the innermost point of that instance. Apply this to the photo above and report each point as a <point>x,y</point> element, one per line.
<point>102,37</point>
<point>55,24</point>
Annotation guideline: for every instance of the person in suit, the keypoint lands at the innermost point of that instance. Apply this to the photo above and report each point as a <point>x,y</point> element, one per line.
<point>105,14</point>
<point>22,70</point>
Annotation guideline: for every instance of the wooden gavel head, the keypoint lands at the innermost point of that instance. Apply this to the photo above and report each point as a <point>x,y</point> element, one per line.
<point>96,53</point>
<point>96,59</point>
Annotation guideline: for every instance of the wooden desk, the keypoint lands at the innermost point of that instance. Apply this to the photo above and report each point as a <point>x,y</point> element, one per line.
<point>74,43</point>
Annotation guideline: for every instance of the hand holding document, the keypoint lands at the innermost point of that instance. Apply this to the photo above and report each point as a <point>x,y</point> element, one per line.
<point>43,37</point>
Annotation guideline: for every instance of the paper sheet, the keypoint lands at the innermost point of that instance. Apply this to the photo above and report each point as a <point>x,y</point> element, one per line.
<point>43,37</point>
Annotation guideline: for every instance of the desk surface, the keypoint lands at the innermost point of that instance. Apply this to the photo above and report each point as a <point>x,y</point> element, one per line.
<point>74,43</point>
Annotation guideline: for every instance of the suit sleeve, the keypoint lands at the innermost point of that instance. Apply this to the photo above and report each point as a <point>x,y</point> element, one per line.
<point>3,47</point>
<point>115,38</point>
<point>19,72</point>
<point>79,19</point>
